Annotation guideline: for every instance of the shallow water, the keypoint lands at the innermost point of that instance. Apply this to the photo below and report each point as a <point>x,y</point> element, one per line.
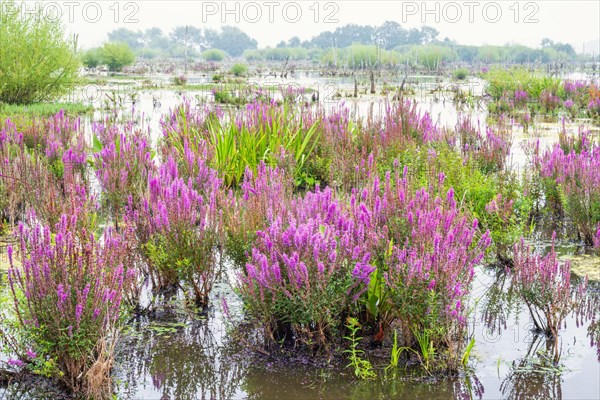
<point>174,357</point>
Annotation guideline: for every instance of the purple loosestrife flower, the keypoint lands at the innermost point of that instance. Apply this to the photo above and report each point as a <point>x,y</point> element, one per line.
<point>574,166</point>
<point>56,311</point>
<point>177,227</point>
<point>569,104</point>
<point>15,363</point>
<point>313,258</point>
<point>430,248</point>
<point>544,285</point>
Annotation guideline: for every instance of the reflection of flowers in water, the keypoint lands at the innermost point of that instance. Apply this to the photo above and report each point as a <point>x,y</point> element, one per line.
<point>537,375</point>
<point>594,330</point>
<point>498,303</point>
<point>468,387</point>
<point>181,360</point>
<point>157,380</point>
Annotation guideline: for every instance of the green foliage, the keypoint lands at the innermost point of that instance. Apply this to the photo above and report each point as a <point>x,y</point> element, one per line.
<point>236,148</point>
<point>239,69</point>
<point>465,358</point>
<point>503,81</point>
<point>362,367</point>
<point>426,345</point>
<point>214,55</point>
<point>460,74</point>
<point>37,63</point>
<point>92,57</point>
<point>117,55</point>
<point>180,257</point>
<point>42,109</point>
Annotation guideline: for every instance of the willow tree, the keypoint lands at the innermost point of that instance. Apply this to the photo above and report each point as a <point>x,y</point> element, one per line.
<point>37,62</point>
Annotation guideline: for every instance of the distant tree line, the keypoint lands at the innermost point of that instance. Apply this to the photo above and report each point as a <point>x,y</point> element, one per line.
<point>351,45</point>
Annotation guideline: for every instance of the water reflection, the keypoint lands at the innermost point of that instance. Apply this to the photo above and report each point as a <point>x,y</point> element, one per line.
<point>168,358</point>
<point>536,375</point>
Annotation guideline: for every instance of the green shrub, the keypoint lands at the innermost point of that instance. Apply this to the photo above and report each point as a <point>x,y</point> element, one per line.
<point>214,55</point>
<point>37,63</point>
<point>239,69</point>
<point>460,74</point>
<point>92,58</point>
<point>117,55</point>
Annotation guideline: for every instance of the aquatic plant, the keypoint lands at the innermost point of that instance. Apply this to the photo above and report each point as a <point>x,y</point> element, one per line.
<point>177,228</point>
<point>572,177</point>
<point>308,267</point>
<point>363,368</point>
<point>265,193</point>
<point>123,161</point>
<point>544,285</point>
<point>427,250</point>
<point>67,292</point>
<point>43,168</point>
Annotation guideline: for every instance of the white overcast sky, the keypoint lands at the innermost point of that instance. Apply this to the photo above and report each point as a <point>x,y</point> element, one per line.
<point>468,22</point>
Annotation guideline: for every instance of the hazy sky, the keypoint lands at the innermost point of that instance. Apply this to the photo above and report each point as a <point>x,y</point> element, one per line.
<point>468,22</point>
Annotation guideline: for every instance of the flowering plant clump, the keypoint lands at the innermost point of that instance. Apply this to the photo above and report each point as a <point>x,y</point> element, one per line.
<point>432,249</point>
<point>544,285</point>
<point>307,270</point>
<point>48,178</point>
<point>490,151</point>
<point>265,193</point>
<point>548,100</point>
<point>520,97</point>
<point>123,162</point>
<point>572,170</point>
<point>178,229</point>
<point>597,240</point>
<point>67,295</point>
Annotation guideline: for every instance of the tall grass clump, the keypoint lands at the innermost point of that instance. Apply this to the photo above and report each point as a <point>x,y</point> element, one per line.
<point>67,292</point>
<point>262,132</point>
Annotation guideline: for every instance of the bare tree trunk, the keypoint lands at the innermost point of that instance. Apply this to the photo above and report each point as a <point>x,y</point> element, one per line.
<point>372,76</point>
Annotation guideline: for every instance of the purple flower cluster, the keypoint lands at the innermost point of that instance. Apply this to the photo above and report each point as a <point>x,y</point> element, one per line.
<point>490,151</point>
<point>520,96</point>
<point>309,265</point>
<point>122,166</point>
<point>549,100</point>
<point>67,289</point>
<point>594,106</point>
<point>568,104</point>
<point>42,168</point>
<point>176,224</point>
<point>574,166</point>
<point>574,87</point>
<point>434,249</point>
<point>544,284</point>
